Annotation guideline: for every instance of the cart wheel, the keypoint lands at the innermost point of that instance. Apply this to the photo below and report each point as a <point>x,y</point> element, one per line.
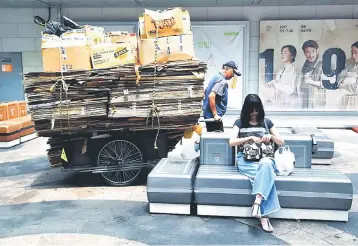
<point>120,153</point>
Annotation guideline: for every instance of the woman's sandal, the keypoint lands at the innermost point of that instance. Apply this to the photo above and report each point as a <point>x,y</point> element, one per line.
<point>269,226</point>
<point>256,210</point>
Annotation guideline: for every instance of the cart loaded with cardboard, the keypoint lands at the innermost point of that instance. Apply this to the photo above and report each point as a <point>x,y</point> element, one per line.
<point>115,103</point>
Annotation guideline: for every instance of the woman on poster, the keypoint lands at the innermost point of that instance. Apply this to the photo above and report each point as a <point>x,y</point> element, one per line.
<point>285,83</point>
<point>312,92</point>
<point>348,82</point>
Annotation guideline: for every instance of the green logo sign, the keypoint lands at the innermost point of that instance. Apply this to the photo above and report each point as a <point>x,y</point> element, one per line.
<point>231,33</point>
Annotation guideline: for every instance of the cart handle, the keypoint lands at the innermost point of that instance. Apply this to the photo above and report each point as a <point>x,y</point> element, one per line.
<point>208,120</point>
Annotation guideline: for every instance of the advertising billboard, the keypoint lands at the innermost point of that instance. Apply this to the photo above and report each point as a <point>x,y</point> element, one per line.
<point>217,45</point>
<point>309,65</point>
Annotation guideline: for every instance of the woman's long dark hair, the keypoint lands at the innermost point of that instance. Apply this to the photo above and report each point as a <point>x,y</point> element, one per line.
<point>252,101</point>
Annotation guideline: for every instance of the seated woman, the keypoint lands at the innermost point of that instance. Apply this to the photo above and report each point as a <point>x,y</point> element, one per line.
<point>253,129</point>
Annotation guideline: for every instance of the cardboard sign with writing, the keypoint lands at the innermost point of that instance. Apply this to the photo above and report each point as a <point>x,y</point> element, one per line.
<point>110,55</point>
<point>168,22</point>
<point>122,37</point>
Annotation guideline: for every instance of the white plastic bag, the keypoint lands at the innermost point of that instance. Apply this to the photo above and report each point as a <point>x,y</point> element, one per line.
<point>284,161</point>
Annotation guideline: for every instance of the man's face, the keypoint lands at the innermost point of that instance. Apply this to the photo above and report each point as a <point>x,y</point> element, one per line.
<point>311,54</point>
<point>355,53</point>
<point>229,73</point>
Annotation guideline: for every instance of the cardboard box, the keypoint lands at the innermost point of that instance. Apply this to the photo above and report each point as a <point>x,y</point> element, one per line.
<point>77,58</point>
<point>170,22</point>
<point>73,52</point>
<point>94,35</point>
<point>123,37</point>
<point>186,25</point>
<point>3,112</point>
<point>110,55</point>
<point>73,46</point>
<point>129,39</point>
<point>171,48</point>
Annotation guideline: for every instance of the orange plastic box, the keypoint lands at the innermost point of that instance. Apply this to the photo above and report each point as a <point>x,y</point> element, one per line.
<point>3,111</point>
<point>12,110</point>
<point>22,109</point>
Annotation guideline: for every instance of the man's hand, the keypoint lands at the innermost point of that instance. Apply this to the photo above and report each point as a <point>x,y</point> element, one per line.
<point>217,117</point>
<point>255,139</point>
<point>266,138</point>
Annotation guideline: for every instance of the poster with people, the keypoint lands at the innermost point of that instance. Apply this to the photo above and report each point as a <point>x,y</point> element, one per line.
<point>309,65</point>
<point>219,44</point>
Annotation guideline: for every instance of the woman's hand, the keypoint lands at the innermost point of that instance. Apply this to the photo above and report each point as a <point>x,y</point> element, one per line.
<point>276,137</point>
<point>272,84</point>
<point>349,81</point>
<point>266,138</point>
<point>255,139</point>
<point>309,81</point>
<point>352,75</point>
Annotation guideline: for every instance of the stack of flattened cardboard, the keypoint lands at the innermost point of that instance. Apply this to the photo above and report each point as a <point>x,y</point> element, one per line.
<point>165,34</point>
<point>115,99</point>
<point>178,91</point>
<point>164,92</point>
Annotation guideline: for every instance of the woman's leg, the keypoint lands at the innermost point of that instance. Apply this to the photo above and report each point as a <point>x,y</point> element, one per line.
<point>265,179</point>
<point>265,190</point>
<point>256,172</point>
<point>250,169</point>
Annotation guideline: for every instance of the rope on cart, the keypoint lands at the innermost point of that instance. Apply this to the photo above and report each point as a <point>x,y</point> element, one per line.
<point>154,110</point>
<point>63,87</point>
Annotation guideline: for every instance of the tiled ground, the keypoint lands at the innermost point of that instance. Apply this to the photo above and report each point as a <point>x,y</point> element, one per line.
<point>43,206</point>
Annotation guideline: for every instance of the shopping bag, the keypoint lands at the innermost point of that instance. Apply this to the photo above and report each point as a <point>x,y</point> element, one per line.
<point>284,161</point>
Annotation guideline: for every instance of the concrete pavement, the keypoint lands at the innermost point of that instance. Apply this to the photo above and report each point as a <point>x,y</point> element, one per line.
<point>43,206</point>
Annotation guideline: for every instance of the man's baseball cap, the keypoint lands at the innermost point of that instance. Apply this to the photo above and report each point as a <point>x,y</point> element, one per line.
<point>233,65</point>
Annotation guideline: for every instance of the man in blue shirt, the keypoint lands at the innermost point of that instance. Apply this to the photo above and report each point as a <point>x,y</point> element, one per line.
<point>216,96</point>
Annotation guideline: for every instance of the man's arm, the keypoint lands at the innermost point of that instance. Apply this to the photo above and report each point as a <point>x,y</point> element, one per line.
<point>218,89</point>
<point>212,103</point>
